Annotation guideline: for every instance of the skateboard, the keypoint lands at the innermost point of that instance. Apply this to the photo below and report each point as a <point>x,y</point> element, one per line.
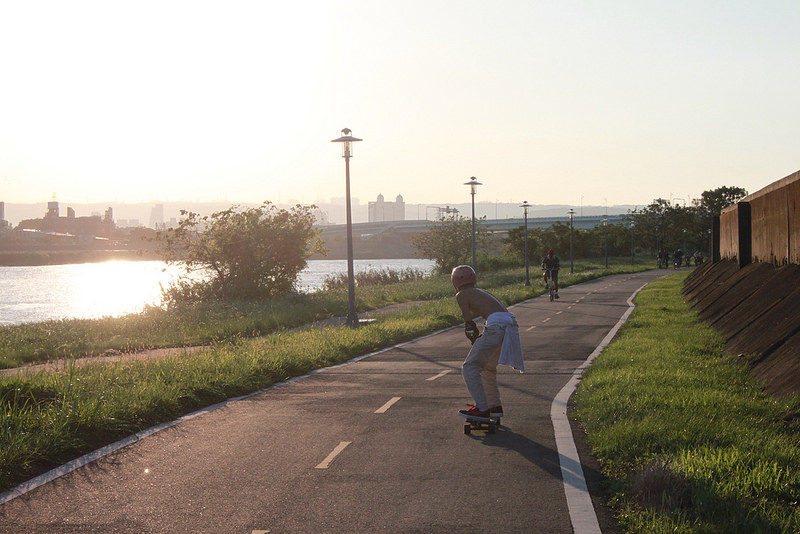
<point>481,424</point>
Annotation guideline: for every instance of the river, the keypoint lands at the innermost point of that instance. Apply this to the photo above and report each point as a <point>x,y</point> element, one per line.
<point>114,288</point>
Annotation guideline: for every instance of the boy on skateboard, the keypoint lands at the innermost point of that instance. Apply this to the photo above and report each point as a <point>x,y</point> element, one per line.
<point>499,343</point>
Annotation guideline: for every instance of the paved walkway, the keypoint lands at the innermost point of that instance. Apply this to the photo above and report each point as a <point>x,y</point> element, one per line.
<point>373,445</point>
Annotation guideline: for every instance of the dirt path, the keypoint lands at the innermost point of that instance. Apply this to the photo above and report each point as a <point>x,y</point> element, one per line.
<point>155,354</point>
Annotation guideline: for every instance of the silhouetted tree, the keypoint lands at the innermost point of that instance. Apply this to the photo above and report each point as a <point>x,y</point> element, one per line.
<point>449,241</point>
<point>250,253</point>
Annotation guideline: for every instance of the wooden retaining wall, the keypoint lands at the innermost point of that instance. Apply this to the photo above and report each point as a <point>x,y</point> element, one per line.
<point>764,226</point>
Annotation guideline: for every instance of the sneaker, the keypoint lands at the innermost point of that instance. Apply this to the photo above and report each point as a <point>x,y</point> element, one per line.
<point>474,413</point>
<point>557,295</point>
<point>496,411</point>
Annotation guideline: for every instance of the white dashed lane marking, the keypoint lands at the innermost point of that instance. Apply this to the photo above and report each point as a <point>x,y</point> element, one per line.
<point>388,405</point>
<point>438,376</point>
<point>339,448</point>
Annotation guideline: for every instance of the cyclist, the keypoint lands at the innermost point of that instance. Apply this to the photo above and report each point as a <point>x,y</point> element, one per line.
<point>551,264</point>
<point>677,258</point>
<point>663,258</point>
<point>499,343</point>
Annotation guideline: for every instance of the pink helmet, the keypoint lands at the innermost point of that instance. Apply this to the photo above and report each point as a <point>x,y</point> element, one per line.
<point>463,275</point>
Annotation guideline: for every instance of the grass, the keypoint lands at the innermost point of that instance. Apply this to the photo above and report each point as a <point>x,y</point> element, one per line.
<point>48,418</point>
<point>687,438</point>
<point>202,324</point>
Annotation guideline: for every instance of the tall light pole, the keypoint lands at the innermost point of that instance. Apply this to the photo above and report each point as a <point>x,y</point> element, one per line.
<point>632,255</point>
<point>347,141</point>
<point>571,246</point>
<point>525,207</point>
<point>473,186</point>
<point>658,246</point>
<point>684,240</point>
<point>605,237</point>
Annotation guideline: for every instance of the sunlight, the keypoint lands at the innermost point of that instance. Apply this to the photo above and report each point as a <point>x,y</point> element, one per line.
<point>113,288</point>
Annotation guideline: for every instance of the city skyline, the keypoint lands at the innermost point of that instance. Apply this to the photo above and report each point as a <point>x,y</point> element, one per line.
<point>141,214</point>
<point>568,103</point>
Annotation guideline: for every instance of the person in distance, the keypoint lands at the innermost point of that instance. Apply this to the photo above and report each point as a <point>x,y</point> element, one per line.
<point>551,264</point>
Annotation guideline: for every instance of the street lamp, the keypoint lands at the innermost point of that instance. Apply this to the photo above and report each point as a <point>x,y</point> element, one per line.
<point>473,186</point>
<point>632,256</point>
<point>684,240</point>
<point>525,207</point>
<point>347,152</point>
<point>658,246</point>
<point>571,247</point>
<point>605,238</point>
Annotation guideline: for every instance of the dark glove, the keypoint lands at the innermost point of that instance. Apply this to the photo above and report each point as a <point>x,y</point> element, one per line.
<point>471,331</point>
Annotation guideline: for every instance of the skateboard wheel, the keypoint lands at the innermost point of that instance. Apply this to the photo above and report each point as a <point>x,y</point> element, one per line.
<point>492,428</point>
<point>467,428</point>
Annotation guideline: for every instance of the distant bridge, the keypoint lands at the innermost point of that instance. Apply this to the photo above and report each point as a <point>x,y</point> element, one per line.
<point>368,230</point>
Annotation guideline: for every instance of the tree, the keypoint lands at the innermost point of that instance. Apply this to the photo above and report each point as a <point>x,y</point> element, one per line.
<point>716,200</point>
<point>681,226</point>
<point>449,241</point>
<point>250,253</point>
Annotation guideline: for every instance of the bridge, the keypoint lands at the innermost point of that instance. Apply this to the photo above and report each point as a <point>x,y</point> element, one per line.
<point>371,229</point>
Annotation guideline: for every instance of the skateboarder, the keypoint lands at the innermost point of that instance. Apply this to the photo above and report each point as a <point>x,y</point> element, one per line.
<point>499,343</point>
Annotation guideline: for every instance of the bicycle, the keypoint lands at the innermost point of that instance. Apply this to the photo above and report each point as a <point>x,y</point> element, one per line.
<point>549,283</point>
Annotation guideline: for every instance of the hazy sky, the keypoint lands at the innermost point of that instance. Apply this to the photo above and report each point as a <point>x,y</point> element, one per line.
<point>550,102</point>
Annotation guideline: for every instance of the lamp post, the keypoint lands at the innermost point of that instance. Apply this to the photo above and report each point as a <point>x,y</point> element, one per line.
<point>632,255</point>
<point>525,207</point>
<point>347,141</point>
<point>684,240</point>
<point>571,247</point>
<point>605,238</point>
<point>658,245</point>
<point>473,186</point>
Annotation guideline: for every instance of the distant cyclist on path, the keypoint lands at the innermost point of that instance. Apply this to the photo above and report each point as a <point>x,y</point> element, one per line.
<point>551,265</point>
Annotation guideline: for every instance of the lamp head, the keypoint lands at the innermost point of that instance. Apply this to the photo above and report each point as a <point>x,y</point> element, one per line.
<point>473,185</point>
<point>347,141</point>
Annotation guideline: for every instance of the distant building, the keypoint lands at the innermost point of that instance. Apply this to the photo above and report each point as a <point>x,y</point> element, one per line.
<point>3,221</point>
<point>53,223</point>
<point>387,211</point>
<point>157,217</point>
<point>128,223</point>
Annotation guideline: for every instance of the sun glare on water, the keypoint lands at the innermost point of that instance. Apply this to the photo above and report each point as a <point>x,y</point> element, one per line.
<point>114,288</point>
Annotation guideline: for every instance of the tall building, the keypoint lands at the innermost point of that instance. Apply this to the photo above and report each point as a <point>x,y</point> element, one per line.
<point>3,221</point>
<point>157,217</point>
<point>387,211</point>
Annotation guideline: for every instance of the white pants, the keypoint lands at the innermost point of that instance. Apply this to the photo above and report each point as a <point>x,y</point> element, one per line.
<point>480,367</point>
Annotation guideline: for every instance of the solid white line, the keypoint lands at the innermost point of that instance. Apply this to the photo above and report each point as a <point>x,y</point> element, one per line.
<point>579,502</point>
<point>439,375</point>
<point>327,461</point>
<point>388,405</point>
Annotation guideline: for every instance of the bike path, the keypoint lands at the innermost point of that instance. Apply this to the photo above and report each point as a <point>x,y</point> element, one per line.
<point>374,445</point>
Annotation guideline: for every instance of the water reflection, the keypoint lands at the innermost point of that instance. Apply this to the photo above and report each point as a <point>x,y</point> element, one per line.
<point>92,290</point>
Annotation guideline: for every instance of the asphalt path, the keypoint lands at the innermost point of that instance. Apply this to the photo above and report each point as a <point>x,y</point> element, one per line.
<point>374,445</point>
